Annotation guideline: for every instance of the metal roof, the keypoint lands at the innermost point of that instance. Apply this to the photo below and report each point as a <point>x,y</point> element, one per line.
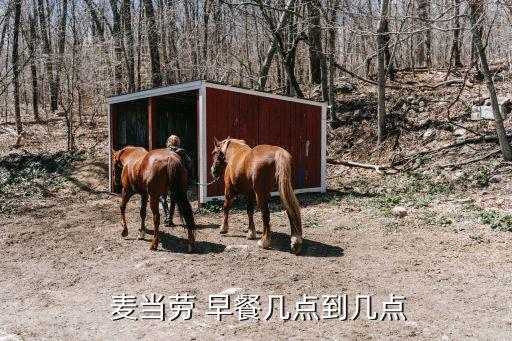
<point>198,84</point>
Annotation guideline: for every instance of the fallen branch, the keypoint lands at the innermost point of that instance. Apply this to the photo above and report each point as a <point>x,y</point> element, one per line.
<point>476,159</point>
<point>364,79</point>
<point>448,83</point>
<point>383,170</point>
<point>486,138</point>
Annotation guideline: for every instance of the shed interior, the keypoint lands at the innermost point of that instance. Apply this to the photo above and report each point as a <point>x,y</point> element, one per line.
<point>172,114</point>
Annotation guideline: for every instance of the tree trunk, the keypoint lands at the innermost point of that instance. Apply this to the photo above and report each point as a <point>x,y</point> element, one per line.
<point>456,36</point>
<point>156,76</point>
<point>477,38</point>
<point>289,67</point>
<point>15,65</point>
<point>424,52</point>
<point>128,33</point>
<point>118,47</point>
<point>206,18</point>
<point>315,42</point>
<point>331,50</point>
<point>61,43</point>
<point>31,38</point>
<point>381,69</point>
<point>265,67</point>
<point>47,50</point>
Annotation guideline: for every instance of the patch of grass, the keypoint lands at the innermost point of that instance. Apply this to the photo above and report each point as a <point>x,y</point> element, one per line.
<point>391,227</point>
<point>479,239</point>
<point>214,206</point>
<point>417,175</point>
<point>483,175</point>
<point>384,202</point>
<point>444,221</point>
<point>33,176</point>
<point>422,160</point>
<point>428,217</point>
<point>334,200</point>
<point>439,187</point>
<point>498,222</point>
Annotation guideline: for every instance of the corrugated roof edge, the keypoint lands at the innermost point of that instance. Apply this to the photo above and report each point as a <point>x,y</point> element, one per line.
<point>194,85</point>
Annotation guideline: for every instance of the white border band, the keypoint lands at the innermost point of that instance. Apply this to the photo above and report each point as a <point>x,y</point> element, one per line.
<point>323,150</point>
<point>203,171</point>
<point>275,194</point>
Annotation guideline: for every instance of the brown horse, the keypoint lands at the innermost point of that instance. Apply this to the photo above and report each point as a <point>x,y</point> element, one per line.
<point>254,172</point>
<point>150,174</point>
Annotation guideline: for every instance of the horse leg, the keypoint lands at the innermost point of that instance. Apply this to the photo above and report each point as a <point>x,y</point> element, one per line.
<point>227,202</point>
<point>171,212</point>
<point>251,233</point>
<point>265,212</point>
<point>143,209</point>
<point>191,241</point>
<point>163,200</point>
<point>153,204</point>
<point>125,197</point>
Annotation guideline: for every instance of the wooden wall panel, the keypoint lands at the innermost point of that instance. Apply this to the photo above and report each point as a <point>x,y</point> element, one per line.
<point>293,126</point>
<point>131,124</point>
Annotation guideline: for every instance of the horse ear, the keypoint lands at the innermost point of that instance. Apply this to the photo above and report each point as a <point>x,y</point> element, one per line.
<point>215,141</point>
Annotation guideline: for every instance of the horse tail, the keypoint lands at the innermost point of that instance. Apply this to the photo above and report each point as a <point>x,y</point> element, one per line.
<point>283,161</point>
<point>178,188</point>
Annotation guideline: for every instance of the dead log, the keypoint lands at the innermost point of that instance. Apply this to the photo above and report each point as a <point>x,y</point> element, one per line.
<point>476,159</point>
<point>448,83</point>
<point>479,139</point>
<point>380,169</point>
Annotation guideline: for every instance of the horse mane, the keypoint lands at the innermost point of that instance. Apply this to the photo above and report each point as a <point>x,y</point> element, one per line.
<point>231,140</point>
<point>236,140</point>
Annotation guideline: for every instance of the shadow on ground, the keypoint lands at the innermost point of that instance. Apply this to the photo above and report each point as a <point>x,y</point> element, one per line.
<point>175,244</point>
<point>310,248</point>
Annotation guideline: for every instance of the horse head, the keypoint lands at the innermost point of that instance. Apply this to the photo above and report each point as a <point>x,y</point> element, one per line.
<point>219,157</point>
<point>117,166</point>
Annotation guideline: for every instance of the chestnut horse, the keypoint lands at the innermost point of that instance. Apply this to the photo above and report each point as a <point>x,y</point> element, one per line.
<point>254,172</point>
<point>150,174</point>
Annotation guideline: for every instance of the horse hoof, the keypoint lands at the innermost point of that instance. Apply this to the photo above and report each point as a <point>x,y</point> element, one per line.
<point>141,235</point>
<point>191,249</point>
<point>153,247</point>
<point>223,230</point>
<point>251,234</point>
<point>124,233</point>
<point>263,244</point>
<point>295,249</point>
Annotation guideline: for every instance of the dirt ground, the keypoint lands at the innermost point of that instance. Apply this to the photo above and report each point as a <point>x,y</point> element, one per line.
<point>62,257</point>
<point>63,260</point>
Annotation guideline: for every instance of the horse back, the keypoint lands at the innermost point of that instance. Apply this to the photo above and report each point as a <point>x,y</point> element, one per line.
<point>253,169</point>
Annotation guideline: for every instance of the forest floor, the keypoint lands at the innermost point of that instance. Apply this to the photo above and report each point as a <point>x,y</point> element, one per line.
<point>62,257</point>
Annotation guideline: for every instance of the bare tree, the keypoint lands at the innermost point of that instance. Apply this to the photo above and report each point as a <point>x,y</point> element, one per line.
<point>425,43</point>
<point>31,39</point>
<point>156,76</point>
<point>381,67</point>
<point>269,56</point>
<point>129,45</point>
<point>479,46</point>
<point>118,46</point>
<point>456,36</point>
<point>48,54</point>
<point>15,65</point>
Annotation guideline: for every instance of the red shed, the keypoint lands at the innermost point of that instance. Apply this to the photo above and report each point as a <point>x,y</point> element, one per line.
<point>199,111</point>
